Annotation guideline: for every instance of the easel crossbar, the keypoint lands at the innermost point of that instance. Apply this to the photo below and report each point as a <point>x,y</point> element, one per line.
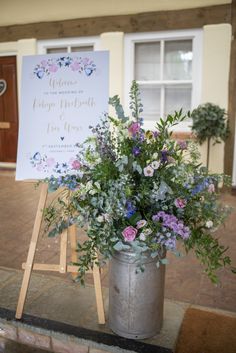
<point>53,267</point>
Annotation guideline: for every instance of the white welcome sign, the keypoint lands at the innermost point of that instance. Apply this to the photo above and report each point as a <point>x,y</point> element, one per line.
<point>61,96</point>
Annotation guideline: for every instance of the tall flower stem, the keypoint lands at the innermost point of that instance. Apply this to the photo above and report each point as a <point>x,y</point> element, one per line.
<point>208,151</point>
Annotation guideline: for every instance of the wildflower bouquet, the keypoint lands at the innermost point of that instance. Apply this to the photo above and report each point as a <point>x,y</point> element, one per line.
<point>140,190</point>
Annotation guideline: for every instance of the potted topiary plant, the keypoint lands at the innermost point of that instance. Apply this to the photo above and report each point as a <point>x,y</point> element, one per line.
<point>209,122</point>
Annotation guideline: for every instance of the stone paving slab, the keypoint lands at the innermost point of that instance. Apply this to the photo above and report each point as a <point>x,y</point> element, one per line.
<point>185,280</point>
<point>8,346</point>
<point>64,301</point>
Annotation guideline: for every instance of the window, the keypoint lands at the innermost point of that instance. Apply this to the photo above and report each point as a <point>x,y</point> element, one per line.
<point>167,67</point>
<point>68,45</point>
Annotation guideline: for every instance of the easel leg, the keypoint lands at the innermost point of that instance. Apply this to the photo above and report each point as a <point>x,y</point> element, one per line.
<point>98,294</point>
<point>73,243</point>
<point>31,252</point>
<point>63,263</point>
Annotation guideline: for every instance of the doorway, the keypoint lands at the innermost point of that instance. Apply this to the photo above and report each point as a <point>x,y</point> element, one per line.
<point>8,109</point>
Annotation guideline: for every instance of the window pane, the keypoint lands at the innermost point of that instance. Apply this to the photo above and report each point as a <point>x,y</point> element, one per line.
<point>177,97</point>
<point>150,97</point>
<point>84,48</point>
<point>56,50</point>
<point>178,60</point>
<point>147,61</point>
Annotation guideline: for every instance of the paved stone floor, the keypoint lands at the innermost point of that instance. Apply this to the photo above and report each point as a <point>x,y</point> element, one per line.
<point>185,281</point>
<point>50,293</point>
<point>61,300</point>
<point>9,346</point>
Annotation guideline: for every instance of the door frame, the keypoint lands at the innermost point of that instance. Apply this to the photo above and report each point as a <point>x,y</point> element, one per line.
<point>12,52</point>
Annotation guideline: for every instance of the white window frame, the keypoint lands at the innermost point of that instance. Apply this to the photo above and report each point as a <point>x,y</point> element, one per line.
<point>43,45</point>
<point>129,66</point>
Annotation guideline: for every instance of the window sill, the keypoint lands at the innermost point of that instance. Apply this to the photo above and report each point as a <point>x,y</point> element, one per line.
<point>183,135</point>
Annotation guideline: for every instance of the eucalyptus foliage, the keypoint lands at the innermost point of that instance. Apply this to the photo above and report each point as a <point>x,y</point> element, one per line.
<point>139,189</point>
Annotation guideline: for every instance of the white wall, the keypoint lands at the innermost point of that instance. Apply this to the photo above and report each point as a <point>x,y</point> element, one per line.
<point>215,73</point>
<point>215,76</point>
<point>114,42</point>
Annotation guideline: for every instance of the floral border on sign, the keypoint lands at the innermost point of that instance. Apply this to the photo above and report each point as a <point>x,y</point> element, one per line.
<point>76,64</point>
<point>45,164</point>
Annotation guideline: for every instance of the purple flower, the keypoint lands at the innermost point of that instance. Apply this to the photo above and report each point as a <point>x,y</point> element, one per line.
<point>156,134</point>
<point>183,145</point>
<point>172,222</point>
<point>164,156</point>
<point>170,243</point>
<point>136,151</point>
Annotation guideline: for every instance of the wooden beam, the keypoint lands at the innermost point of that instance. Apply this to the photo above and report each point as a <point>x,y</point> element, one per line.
<point>54,267</point>
<point>143,22</point>
<point>229,144</point>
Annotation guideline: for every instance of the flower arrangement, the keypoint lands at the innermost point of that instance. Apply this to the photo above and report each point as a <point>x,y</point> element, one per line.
<point>140,190</point>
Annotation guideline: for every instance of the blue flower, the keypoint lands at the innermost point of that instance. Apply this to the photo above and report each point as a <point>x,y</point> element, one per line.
<point>130,209</point>
<point>164,156</point>
<point>39,72</point>
<point>136,151</point>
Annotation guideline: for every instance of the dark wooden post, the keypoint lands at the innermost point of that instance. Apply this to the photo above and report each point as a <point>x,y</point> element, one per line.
<point>229,144</point>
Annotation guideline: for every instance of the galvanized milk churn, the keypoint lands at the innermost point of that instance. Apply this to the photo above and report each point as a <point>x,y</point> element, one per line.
<point>135,299</point>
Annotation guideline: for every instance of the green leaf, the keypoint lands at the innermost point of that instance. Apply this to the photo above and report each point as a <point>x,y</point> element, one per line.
<point>52,187</point>
<point>115,102</point>
<point>135,218</point>
<point>121,246</point>
<point>154,254</point>
<point>164,261</point>
<point>137,167</point>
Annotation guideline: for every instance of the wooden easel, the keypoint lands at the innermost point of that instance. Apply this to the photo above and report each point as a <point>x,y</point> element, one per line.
<point>62,267</point>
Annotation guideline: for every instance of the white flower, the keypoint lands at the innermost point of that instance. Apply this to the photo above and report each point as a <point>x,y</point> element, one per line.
<point>89,185</point>
<point>141,223</point>
<point>147,231</point>
<point>142,237</point>
<point>209,224</point>
<point>106,217</point>
<point>148,171</point>
<point>155,164</point>
<point>100,219</point>
<point>155,155</point>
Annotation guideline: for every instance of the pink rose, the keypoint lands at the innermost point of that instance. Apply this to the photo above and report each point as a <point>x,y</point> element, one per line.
<point>50,162</point>
<point>76,164</point>
<point>39,168</point>
<point>44,63</point>
<point>53,68</point>
<point>180,203</point>
<point>211,188</point>
<point>129,233</point>
<point>75,66</point>
<point>134,128</point>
